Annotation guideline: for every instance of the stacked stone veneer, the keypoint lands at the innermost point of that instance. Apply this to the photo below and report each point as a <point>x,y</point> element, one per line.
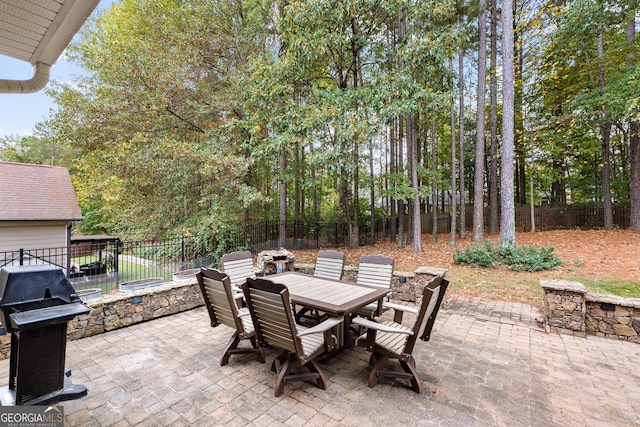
<point>568,308</point>
<point>127,308</point>
<point>405,286</point>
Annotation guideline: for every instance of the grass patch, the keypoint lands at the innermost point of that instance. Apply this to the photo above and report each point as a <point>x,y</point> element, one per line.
<point>128,271</point>
<point>610,286</point>
<point>498,284</point>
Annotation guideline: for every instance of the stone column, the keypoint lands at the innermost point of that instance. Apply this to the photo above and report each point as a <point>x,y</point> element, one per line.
<point>564,306</point>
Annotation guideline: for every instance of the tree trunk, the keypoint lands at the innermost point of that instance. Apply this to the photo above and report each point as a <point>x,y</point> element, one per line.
<point>417,229</point>
<point>493,122</point>
<point>393,228</point>
<point>559,186</point>
<point>282,232</point>
<point>454,210</point>
<point>521,177</point>
<point>282,188</point>
<point>400,171</point>
<point>634,137</point>
<point>478,188</point>
<point>372,200</point>
<point>463,209</point>
<point>605,130</point>
<point>434,183</point>
<point>507,211</point>
<point>296,193</point>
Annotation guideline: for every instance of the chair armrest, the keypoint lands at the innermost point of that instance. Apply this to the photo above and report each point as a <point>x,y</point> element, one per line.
<point>400,307</point>
<point>379,327</point>
<point>321,327</point>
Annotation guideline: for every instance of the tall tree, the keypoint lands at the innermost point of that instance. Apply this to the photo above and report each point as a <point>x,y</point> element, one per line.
<point>415,185</point>
<point>634,131</point>
<point>463,202</point>
<point>493,121</point>
<point>507,214</point>
<point>605,129</point>
<point>454,187</point>
<point>478,190</point>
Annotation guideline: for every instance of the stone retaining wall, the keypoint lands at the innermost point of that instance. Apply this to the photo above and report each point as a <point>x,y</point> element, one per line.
<point>569,309</point>
<point>127,308</point>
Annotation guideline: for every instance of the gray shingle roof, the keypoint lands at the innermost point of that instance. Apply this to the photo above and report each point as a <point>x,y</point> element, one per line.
<point>36,192</point>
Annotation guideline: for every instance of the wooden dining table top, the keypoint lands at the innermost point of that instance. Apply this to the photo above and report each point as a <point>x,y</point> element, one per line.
<point>335,297</point>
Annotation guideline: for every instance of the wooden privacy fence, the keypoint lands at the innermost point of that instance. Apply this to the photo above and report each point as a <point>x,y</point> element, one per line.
<point>561,217</point>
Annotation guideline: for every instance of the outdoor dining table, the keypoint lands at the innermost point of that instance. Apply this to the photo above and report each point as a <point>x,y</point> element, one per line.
<point>337,298</point>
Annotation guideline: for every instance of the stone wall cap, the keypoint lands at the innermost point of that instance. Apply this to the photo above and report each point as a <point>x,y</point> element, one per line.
<point>403,274</point>
<point>563,285</point>
<point>434,271</point>
<point>613,299</point>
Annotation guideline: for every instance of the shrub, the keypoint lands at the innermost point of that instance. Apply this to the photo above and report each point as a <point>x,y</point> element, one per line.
<point>530,258</point>
<point>476,256</point>
<point>525,258</point>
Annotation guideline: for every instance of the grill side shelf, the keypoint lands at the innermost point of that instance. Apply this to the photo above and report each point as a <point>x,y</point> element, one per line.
<point>47,316</point>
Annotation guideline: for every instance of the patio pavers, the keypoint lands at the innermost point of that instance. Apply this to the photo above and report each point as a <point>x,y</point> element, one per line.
<point>487,364</point>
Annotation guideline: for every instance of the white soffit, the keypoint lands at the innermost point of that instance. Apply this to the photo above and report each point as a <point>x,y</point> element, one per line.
<point>38,31</point>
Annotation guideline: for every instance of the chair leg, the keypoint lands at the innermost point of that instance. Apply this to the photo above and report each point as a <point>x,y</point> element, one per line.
<point>378,366</point>
<point>410,368</point>
<point>283,370</point>
<point>280,359</point>
<point>233,343</point>
<point>321,380</point>
<point>259,349</point>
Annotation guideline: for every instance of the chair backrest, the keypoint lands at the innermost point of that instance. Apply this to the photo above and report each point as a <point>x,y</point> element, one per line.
<point>375,270</point>
<point>329,264</point>
<point>238,266</point>
<point>218,298</point>
<point>270,307</point>
<point>432,296</point>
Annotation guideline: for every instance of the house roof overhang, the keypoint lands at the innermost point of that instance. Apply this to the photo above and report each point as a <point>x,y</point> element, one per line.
<point>37,32</point>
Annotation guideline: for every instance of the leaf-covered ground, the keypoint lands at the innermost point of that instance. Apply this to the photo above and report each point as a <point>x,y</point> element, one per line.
<point>590,254</point>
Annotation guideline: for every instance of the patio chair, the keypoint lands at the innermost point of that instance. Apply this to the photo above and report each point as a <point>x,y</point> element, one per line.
<point>374,270</point>
<point>238,266</point>
<point>220,302</point>
<point>270,307</point>
<point>329,264</point>
<point>392,340</point>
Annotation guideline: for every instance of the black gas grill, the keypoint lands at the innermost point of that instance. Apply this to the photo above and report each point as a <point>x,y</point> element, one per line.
<point>36,303</point>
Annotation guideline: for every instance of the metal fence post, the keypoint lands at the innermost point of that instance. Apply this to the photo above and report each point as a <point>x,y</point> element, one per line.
<point>182,255</point>
<point>116,266</point>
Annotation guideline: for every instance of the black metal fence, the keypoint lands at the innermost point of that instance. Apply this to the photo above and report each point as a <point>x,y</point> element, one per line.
<point>113,263</point>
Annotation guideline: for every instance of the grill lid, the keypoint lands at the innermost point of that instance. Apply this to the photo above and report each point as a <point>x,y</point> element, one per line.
<point>35,284</point>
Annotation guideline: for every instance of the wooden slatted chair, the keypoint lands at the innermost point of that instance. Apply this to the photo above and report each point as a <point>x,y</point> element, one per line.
<point>238,266</point>
<point>220,302</point>
<point>330,265</point>
<point>374,270</point>
<point>393,340</point>
<point>270,307</point>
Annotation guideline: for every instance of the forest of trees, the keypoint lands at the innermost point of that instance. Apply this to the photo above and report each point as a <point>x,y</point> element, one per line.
<point>198,116</point>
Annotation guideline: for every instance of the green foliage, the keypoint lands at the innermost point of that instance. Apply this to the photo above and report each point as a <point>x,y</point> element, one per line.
<point>476,256</point>
<point>525,258</point>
